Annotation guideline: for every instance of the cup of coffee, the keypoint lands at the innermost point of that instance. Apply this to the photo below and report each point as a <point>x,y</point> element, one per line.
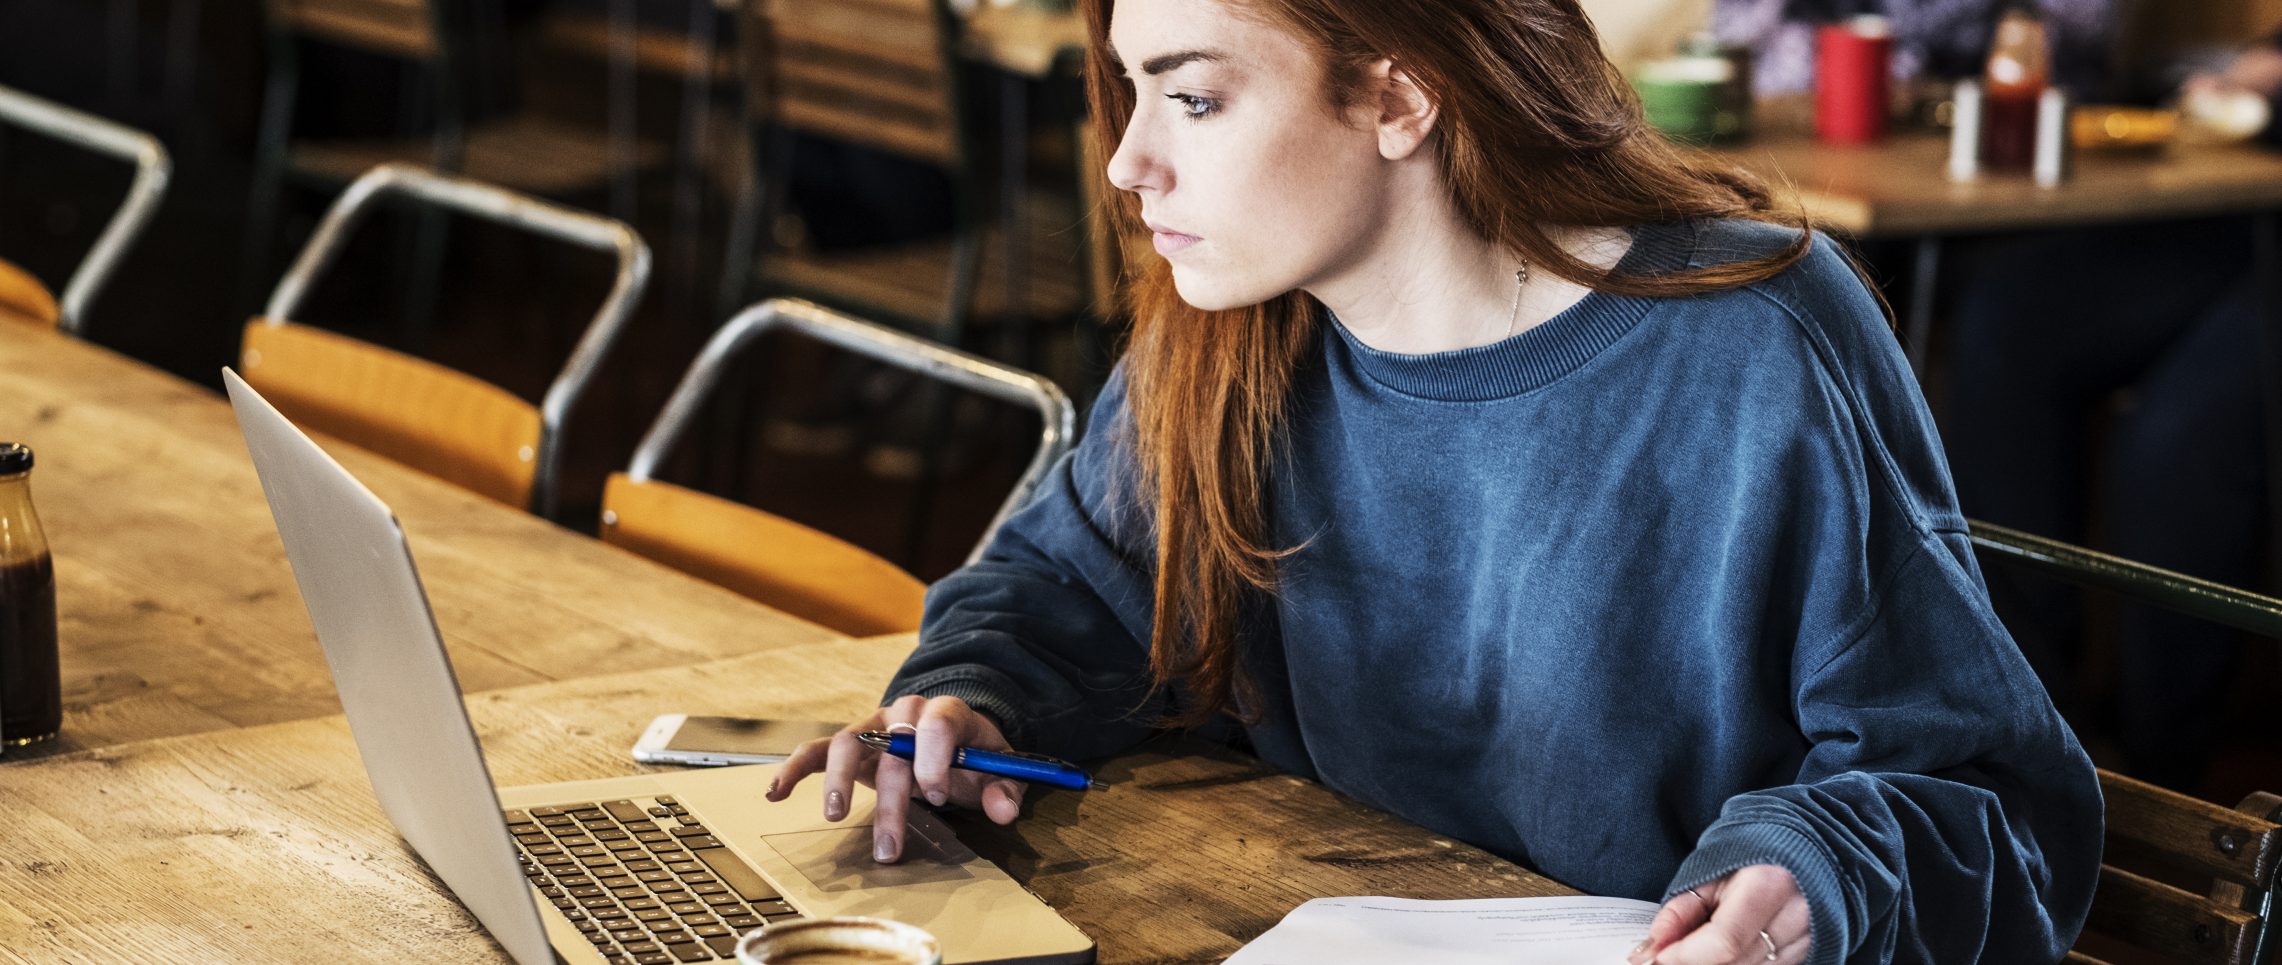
<point>839,941</point>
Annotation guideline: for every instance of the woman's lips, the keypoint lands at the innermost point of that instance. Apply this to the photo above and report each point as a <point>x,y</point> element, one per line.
<point>1168,242</point>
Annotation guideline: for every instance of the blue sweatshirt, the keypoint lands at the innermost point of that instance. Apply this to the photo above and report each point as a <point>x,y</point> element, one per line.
<point>1653,591</point>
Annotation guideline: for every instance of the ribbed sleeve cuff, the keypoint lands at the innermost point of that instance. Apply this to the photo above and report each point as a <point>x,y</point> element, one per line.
<point>1731,845</point>
<point>976,686</point>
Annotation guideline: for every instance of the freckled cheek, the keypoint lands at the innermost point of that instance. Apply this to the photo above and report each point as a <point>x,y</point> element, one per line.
<point>1293,206</point>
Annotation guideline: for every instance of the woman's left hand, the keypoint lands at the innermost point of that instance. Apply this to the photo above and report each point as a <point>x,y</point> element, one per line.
<point>1753,916</point>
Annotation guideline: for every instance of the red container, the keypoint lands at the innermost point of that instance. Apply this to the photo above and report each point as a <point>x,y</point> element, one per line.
<point>2008,127</point>
<point>1852,67</point>
<point>2015,81</point>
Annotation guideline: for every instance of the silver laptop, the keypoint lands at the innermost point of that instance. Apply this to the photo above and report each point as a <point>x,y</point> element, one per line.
<point>659,868</point>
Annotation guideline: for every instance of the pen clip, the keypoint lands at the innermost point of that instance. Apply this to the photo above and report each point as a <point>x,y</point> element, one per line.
<point>874,738</point>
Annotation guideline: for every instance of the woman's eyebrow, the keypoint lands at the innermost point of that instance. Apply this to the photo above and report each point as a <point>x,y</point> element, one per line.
<point>1165,62</point>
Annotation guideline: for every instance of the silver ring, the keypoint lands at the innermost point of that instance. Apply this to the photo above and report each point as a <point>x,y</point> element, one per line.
<point>1700,900</point>
<point>1770,940</point>
<point>892,728</point>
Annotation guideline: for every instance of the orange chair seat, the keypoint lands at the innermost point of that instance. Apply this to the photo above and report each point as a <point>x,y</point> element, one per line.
<point>24,299</point>
<point>809,574</point>
<point>441,421</point>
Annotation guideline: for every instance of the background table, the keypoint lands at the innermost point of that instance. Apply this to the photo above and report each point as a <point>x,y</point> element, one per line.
<point>1900,189</point>
<point>265,843</point>
<point>178,612</point>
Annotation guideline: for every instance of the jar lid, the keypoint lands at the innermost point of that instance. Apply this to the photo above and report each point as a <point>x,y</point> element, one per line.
<point>15,457</point>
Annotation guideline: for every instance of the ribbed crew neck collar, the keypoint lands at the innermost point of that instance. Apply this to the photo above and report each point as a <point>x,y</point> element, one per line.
<point>1541,355</point>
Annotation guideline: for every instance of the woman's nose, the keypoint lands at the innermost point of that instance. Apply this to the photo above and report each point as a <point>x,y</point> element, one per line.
<point>1134,167</point>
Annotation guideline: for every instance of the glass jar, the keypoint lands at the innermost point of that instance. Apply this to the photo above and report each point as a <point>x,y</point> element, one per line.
<point>31,680</point>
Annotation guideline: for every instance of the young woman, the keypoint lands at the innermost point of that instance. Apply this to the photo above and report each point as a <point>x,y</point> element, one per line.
<point>1497,466</point>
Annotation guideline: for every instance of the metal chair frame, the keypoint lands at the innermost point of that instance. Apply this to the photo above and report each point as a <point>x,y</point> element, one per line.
<point>2172,590</point>
<point>2216,602</point>
<point>497,204</point>
<point>153,168</point>
<point>881,343</point>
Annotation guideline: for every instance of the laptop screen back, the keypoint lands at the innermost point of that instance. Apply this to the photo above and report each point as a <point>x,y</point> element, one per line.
<point>356,576</point>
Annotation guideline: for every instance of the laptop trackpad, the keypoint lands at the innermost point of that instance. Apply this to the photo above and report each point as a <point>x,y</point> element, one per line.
<point>840,859</point>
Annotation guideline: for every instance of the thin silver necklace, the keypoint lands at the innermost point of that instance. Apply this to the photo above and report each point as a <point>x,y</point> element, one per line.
<point>1520,278</point>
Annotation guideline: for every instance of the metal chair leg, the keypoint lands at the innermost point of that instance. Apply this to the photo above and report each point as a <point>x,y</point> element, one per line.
<point>266,201</point>
<point>420,252</point>
<point>696,144</point>
<point>2266,267</point>
<point>1919,328</point>
<point>120,23</point>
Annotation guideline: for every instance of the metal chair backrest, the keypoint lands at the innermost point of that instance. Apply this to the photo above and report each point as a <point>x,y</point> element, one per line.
<point>2237,851</point>
<point>393,399</point>
<point>152,169</point>
<point>958,369</point>
<point>2216,602</point>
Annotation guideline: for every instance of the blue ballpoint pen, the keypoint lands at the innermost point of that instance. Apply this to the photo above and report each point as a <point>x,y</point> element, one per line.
<point>1035,768</point>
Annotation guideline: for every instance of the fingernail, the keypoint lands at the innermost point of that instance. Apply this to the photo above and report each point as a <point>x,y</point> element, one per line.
<point>835,806</point>
<point>883,848</point>
<point>936,798</point>
<point>1634,956</point>
<point>772,788</point>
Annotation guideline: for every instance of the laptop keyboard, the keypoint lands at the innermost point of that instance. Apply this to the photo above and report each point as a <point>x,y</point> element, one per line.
<point>643,880</point>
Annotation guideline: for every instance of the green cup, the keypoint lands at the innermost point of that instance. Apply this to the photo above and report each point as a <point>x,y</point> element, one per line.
<point>1687,98</point>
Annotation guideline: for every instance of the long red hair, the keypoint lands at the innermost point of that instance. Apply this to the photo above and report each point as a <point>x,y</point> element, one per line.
<point>1536,128</point>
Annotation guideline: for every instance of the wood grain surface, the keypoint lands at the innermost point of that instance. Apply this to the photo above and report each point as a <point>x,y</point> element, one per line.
<point>264,844</point>
<point>1901,188</point>
<point>178,612</point>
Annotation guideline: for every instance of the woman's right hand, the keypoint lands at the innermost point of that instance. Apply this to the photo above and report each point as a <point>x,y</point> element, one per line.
<point>941,725</point>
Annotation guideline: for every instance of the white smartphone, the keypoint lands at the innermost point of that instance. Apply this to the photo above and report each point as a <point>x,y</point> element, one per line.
<point>720,741</point>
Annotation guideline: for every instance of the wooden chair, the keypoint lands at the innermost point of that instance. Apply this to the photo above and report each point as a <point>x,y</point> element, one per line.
<point>424,415</point>
<point>23,297</point>
<point>882,74</point>
<point>794,568</point>
<point>2228,855</point>
<point>2182,880</point>
<point>443,39</point>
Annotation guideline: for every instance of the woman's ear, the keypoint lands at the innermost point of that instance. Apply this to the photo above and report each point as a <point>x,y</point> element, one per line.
<point>1406,113</point>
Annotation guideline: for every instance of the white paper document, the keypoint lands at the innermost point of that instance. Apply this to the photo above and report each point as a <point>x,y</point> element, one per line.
<point>1482,931</point>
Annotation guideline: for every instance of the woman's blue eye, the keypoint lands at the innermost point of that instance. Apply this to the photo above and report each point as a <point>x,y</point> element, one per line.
<point>1193,106</point>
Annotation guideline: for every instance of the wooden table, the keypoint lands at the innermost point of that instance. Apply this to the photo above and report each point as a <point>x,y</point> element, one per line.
<point>1901,189</point>
<point>265,844</point>
<point>177,609</point>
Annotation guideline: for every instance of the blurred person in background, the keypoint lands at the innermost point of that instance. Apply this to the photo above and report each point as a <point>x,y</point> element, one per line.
<point>1932,38</point>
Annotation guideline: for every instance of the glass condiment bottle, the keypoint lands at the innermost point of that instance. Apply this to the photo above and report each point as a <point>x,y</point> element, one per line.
<point>31,681</point>
<point>2018,71</point>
